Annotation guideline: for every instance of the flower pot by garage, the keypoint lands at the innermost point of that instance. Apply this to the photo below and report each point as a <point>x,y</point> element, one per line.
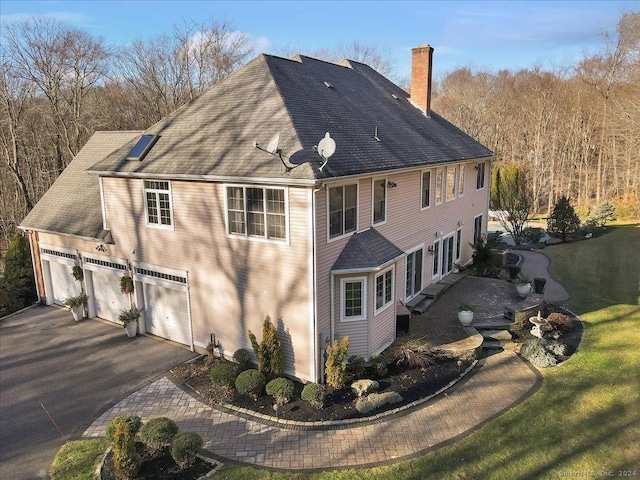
<point>465,317</point>
<point>131,328</point>
<point>77,312</point>
<point>523,289</point>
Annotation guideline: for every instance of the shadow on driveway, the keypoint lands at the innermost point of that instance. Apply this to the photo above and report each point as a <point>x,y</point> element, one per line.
<point>76,370</point>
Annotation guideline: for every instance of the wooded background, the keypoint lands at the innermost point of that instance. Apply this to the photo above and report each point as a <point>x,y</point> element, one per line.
<point>576,132</point>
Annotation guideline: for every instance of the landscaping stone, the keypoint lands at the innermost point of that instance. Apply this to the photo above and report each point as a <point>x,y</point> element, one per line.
<point>364,386</point>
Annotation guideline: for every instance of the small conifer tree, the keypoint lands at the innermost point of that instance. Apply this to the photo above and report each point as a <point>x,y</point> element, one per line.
<point>18,274</point>
<point>335,368</point>
<point>563,221</point>
<point>268,351</point>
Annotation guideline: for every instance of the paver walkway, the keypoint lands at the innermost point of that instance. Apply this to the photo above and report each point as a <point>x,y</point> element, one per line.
<point>498,382</point>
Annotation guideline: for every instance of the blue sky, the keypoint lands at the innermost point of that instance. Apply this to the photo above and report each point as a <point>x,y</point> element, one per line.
<point>489,35</point>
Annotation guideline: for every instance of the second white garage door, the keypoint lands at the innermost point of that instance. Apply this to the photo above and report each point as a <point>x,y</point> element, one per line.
<point>108,299</point>
<point>166,313</point>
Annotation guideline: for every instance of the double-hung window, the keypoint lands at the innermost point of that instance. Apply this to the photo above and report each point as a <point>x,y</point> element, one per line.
<point>439,180</point>
<point>257,212</point>
<point>343,210</point>
<point>157,196</point>
<point>384,289</point>
<point>379,200</point>
<point>480,171</point>
<point>452,177</point>
<point>353,296</point>
<point>426,188</point>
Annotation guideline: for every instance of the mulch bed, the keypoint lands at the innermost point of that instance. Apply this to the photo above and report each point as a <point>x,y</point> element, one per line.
<point>570,338</point>
<point>412,384</point>
<point>159,467</point>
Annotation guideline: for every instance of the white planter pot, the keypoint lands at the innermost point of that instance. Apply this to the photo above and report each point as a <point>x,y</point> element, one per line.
<point>465,317</point>
<point>132,329</point>
<point>523,289</point>
<point>77,312</point>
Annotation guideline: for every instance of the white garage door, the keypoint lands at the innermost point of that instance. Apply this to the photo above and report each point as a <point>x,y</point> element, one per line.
<point>166,313</point>
<point>109,301</point>
<point>62,282</point>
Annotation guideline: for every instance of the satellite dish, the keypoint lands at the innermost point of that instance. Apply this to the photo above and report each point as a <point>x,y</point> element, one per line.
<point>272,148</point>
<point>326,146</point>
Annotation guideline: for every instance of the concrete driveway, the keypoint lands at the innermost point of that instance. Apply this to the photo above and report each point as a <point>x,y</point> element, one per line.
<point>75,370</point>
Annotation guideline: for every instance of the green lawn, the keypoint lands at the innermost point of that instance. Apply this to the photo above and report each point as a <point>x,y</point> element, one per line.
<point>585,419</point>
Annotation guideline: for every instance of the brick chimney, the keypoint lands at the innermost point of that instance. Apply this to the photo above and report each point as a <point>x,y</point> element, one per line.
<point>421,62</point>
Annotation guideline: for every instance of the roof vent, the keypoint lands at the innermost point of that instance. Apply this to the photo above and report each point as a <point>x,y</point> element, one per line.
<point>328,85</point>
<point>394,96</point>
<point>375,135</point>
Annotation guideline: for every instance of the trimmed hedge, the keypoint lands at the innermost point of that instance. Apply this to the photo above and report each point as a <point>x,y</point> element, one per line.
<point>314,394</point>
<point>250,382</point>
<point>158,433</point>
<point>184,448</point>
<point>281,389</point>
<point>223,374</point>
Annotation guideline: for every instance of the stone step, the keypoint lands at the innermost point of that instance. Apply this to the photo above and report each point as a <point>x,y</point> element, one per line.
<point>499,335</point>
<point>502,324</point>
<point>497,345</point>
<point>434,290</point>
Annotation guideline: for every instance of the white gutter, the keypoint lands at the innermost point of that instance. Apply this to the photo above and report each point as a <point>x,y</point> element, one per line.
<point>62,234</point>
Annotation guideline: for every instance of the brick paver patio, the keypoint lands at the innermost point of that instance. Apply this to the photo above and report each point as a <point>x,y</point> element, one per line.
<point>497,383</point>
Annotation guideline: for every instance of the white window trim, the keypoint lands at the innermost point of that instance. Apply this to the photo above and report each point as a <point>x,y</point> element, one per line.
<point>455,183</point>
<point>437,257</point>
<point>253,238</point>
<point>443,193</point>
<point>431,191</point>
<point>393,288</point>
<point>407,253</point>
<point>474,227</point>
<point>461,179</point>
<point>343,281</point>
<point>348,234</point>
<point>458,245</point>
<point>146,207</point>
<point>484,175</point>
<point>373,181</point>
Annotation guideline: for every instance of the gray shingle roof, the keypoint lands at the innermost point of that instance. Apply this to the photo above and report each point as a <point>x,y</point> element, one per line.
<point>214,134</point>
<point>366,251</point>
<point>72,204</point>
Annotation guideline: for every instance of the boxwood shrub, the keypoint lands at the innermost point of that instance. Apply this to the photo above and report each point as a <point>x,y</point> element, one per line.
<point>158,433</point>
<point>223,374</point>
<point>250,382</point>
<point>281,389</point>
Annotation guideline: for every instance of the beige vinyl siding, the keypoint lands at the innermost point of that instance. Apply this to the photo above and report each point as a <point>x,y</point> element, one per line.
<point>383,330</point>
<point>407,226</point>
<point>233,282</point>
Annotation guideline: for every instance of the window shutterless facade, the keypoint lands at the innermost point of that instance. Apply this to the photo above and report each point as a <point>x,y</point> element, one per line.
<point>379,200</point>
<point>257,212</point>
<point>384,289</point>
<point>461,181</point>
<point>343,210</point>
<point>157,196</point>
<point>439,180</point>
<point>477,228</point>
<point>353,294</point>
<point>426,189</point>
<point>452,176</point>
<point>413,273</point>
<point>480,171</point>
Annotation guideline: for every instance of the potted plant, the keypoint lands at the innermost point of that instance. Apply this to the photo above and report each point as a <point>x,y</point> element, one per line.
<point>130,319</point>
<point>126,284</point>
<point>465,313</point>
<point>523,286</point>
<point>76,304</point>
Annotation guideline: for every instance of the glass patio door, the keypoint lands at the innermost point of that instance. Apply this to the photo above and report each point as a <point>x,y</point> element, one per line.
<point>448,254</point>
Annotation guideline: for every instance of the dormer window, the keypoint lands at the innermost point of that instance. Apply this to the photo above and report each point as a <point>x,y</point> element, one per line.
<point>140,150</point>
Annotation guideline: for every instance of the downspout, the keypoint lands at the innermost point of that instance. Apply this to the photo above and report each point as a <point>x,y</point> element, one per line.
<point>333,304</point>
<point>315,348</point>
<point>33,265</point>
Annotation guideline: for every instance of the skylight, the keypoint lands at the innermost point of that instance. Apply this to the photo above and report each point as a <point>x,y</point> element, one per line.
<point>140,150</point>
